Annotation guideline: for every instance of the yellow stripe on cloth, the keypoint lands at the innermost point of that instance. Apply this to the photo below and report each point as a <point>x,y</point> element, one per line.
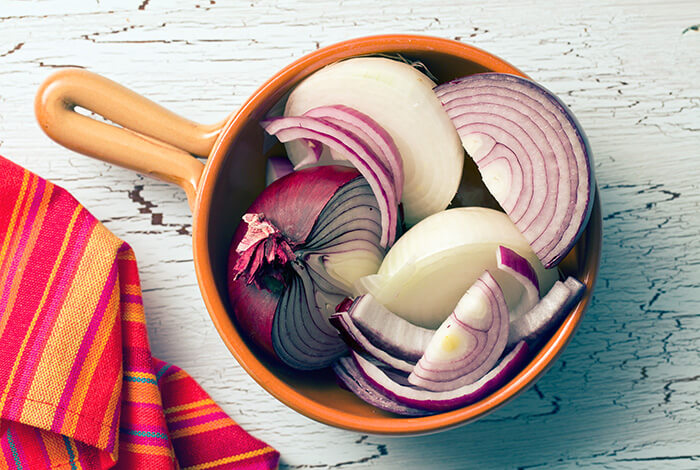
<point>94,355</point>
<point>233,458</point>
<point>189,406</point>
<point>72,322</point>
<point>200,428</point>
<point>209,409</point>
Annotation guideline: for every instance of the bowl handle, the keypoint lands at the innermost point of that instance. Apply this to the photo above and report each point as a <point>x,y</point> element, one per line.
<point>151,139</point>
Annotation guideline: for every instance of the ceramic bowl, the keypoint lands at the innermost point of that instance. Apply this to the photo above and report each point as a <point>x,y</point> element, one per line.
<point>155,142</point>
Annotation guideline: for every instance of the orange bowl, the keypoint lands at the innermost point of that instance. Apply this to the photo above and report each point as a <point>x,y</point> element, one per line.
<point>234,175</point>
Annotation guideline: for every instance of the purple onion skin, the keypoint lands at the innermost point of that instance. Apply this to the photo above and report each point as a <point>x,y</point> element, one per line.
<point>514,261</point>
<point>289,205</point>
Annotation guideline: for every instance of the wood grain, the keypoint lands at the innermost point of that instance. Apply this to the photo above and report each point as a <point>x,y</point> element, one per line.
<point>625,394</point>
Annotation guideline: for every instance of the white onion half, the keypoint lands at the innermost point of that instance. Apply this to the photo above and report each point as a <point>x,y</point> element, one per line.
<point>401,100</point>
<point>432,265</point>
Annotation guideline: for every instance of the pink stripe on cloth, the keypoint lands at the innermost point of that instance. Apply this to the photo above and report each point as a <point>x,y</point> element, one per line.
<point>84,348</point>
<point>42,447</point>
<point>26,230</point>
<point>132,298</point>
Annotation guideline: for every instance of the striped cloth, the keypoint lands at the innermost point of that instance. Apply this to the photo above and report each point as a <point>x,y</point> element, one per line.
<point>79,388</point>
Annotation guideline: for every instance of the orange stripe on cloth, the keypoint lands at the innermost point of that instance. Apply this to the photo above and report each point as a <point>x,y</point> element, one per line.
<point>205,427</point>
<point>140,392</point>
<point>209,409</point>
<point>73,319</point>
<point>131,289</point>
<point>232,459</point>
<point>133,312</point>
<point>179,375</point>
<point>34,233</point>
<point>13,243</point>
<point>103,440</point>
<point>91,362</point>
<point>24,253</point>
<point>13,220</point>
<point>189,406</point>
<point>148,449</point>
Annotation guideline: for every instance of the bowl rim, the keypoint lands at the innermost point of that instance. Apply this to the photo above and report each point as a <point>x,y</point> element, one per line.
<point>398,426</point>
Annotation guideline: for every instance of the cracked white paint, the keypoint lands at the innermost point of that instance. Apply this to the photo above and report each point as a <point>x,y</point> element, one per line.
<point>625,393</point>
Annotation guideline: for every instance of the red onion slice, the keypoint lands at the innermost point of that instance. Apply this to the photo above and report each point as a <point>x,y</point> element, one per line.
<point>371,133</point>
<point>346,370</point>
<point>521,269</point>
<point>359,342</point>
<point>500,116</point>
<point>428,400</point>
<point>355,151</point>
<point>469,342</point>
<point>388,331</point>
<point>276,168</point>
<point>547,314</point>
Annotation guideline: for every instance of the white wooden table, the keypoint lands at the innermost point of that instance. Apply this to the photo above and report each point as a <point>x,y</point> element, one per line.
<point>625,394</point>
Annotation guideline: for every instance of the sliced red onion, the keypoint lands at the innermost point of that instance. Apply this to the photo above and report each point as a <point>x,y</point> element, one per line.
<point>355,151</point>
<point>521,269</point>
<point>469,342</point>
<point>547,314</point>
<point>296,255</point>
<point>370,132</point>
<point>276,168</point>
<point>418,398</point>
<point>388,331</point>
<point>346,370</point>
<point>532,154</point>
<point>359,342</point>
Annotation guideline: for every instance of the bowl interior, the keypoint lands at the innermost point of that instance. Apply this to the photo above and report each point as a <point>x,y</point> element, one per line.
<point>235,176</point>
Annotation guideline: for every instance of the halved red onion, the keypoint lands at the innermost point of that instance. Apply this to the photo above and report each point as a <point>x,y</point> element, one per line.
<point>521,269</point>
<point>547,314</point>
<point>469,342</point>
<point>346,370</point>
<point>419,398</point>
<point>355,151</point>
<point>532,154</point>
<point>367,129</point>
<point>296,255</point>
<point>359,342</point>
<point>276,168</point>
<point>388,331</point>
